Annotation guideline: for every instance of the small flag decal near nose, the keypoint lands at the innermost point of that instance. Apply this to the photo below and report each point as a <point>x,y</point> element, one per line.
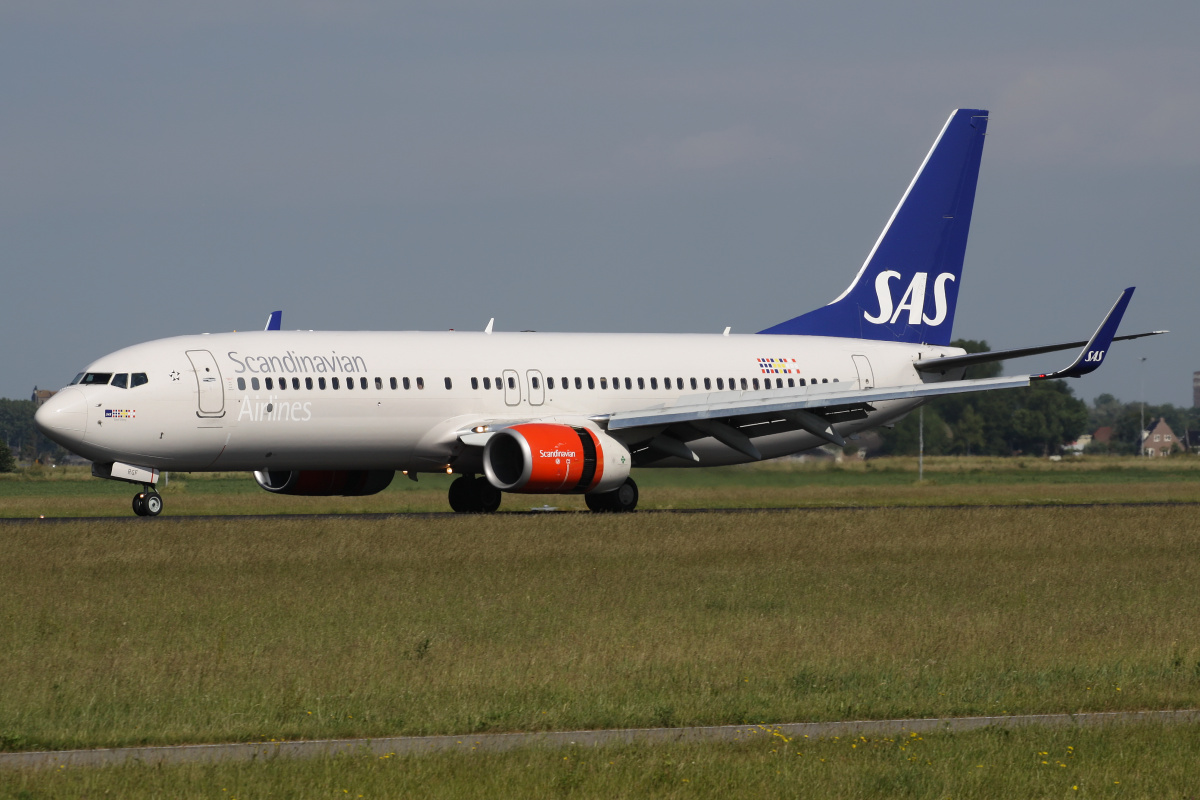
<point>775,366</point>
<point>120,413</point>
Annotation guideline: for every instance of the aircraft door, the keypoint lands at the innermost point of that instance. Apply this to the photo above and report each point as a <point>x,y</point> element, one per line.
<point>512,388</point>
<point>866,376</point>
<point>210,394</point>
<point>537,391</point>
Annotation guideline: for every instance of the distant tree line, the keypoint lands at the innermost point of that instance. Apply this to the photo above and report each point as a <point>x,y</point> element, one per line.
<point>1038,420</point>
<point>19,435</point>
<point>1125,419</point>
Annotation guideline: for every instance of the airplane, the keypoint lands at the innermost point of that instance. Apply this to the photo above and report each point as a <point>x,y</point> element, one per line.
<point>340,413</point>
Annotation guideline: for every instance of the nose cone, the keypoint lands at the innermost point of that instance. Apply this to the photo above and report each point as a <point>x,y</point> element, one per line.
<point>63,418</point>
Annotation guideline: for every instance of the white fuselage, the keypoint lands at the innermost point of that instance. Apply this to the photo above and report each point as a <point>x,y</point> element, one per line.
<point>253,400</point>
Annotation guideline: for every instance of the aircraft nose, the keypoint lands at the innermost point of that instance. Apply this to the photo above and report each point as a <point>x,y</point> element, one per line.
<point>63,418</point>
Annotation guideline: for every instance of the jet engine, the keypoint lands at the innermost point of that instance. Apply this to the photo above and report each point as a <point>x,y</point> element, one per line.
<point>551,458</point>
<point>325,482</point>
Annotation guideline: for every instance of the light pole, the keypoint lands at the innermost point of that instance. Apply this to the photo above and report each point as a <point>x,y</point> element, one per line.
<point>1142,430</point>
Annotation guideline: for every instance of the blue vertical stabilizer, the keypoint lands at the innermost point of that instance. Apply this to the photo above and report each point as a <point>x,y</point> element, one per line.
<point>908,287</point>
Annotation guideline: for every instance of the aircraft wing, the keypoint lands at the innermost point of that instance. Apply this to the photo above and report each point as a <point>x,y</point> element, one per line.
<point>735,417</point>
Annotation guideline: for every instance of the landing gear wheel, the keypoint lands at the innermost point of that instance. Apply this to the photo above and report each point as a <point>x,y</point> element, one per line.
<point>489,496</point>
<point>623,498</point>
<point>147,504</point>
<point>153,504</point>
<point>464,495</point>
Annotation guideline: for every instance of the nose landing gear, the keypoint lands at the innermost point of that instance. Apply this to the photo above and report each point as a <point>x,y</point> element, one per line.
<point>148,503</point>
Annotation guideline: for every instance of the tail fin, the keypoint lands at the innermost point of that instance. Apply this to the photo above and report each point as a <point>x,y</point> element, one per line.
<point>919,254</point>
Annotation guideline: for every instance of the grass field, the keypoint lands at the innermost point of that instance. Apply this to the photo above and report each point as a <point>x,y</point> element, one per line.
<point>72,492</point>
<point>136,631</point>
<point>1129,762</point>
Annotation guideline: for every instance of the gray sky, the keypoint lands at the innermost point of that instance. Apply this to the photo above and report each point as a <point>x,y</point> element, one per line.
<point>179,167</point>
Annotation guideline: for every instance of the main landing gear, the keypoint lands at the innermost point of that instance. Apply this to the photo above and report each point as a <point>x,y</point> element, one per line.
<point>474,495</point>
<point>148,503</point>
<point>623,498</point>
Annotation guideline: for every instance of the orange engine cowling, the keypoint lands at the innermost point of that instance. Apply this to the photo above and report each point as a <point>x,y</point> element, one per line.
<point>325,482</point>
<point>551,458</point>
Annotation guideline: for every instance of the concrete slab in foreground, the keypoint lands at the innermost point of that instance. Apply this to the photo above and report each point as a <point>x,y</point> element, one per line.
<point>412,745</point>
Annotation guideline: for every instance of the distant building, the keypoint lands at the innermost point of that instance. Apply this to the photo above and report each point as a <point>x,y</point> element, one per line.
<point>1077,447</point>
<point>1160,440</point>
<point>1103,435</point>
<point>41,395</point>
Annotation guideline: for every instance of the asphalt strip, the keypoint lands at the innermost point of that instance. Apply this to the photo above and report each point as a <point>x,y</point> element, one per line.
<point>494,742</point>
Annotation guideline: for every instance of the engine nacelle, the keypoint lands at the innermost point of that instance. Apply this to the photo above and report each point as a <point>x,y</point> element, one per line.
<point>325,482</point>
<point>550,458</point>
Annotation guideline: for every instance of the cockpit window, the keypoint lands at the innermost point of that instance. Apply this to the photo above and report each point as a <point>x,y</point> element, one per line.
<point>96,378</point>
<point>121,380</point>
<point>78,378</point>
<point>138,379</point>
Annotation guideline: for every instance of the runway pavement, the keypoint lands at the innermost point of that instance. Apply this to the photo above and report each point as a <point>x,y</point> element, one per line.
<point>541,511</point>
<point>416,745</point>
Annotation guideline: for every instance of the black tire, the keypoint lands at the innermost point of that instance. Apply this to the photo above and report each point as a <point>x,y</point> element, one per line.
<point>464,495</point>
<point>489,496</point>
<point>600,502</point>
<point>622,499</point>
<point>139,504</point>
<point>153,504</point>
<point>625,498</point>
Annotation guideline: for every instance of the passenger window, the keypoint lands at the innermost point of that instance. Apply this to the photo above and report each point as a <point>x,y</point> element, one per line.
<point>379,383</point>
<point>407,384</point>
<point>549,383</point>
<point>566,383</point>
<point>512,382</point>
<point>283,383</point>
<point>499,384</point>
<point>824,380</point>
<point>679,383</point>
<point>629,383</point>
<point>604,383</point>
<point>349,383</point>
<point>835,380</point>
<point>616,383</point>
<point>744,386</point>
<point>732,384</point>
<point>241,384</point>
<point>803,382</point>
<point>449,385</point>
<point>420,383</point>
<point>321,384</point>
<point>474,383</point>
<point>591,383</point>
<point>578,383</point>
<point>334,381</point>
<point>755,383</point>
<point>296,384</point>
<point>720,383</point>
<point>270,383</point>
<point>666,383</point>
<point>641,383</point>
<point>534,381</point>
<point>708,383</point>
<point>96,378</point>
<point>654,383</point>
<point>139,379</point>
<point>779,383</point>
<point>308,383</point>
<point>254,384</point>
<point>791,383</point>
<point>693,383</point>
<point>487,383</point>
<point>362,383</point>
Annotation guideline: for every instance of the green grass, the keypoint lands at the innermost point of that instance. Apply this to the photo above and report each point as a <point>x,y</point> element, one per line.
<point>71,492</point>
<point>142,631</point>
<point>1143,761</point>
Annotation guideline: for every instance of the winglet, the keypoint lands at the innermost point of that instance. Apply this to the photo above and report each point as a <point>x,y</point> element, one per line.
<point>274,321</point>
<point>1092,355</point>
